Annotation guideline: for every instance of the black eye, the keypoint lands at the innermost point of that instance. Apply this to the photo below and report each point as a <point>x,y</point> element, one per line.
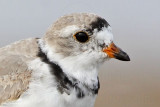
<point>81,37</point>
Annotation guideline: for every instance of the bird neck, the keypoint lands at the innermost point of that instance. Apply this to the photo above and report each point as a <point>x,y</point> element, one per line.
<point>84,81</point>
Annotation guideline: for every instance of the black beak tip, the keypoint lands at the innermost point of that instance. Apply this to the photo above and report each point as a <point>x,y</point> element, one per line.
<point>126,58</point>
<point>122,56</point>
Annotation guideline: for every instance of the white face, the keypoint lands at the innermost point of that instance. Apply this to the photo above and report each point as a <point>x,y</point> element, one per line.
<point>91,48</point>
<point>104,36</point>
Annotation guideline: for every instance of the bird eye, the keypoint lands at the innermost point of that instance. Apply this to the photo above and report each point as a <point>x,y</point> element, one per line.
<point>81,37</point>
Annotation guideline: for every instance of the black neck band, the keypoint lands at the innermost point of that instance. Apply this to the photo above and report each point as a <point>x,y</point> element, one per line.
<point>64,83</point>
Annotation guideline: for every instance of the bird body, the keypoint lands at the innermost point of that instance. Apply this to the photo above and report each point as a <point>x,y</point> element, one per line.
<point>59,69</point>
<point>26,67</point>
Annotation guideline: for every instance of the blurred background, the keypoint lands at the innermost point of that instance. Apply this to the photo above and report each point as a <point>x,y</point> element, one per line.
<point>136,29</point>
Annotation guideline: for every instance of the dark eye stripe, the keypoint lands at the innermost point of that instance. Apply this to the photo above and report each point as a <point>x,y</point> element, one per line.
<point>81,37</point>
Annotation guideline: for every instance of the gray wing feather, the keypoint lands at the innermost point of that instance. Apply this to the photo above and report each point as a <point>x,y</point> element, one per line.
<point>14,73</point>
<point>14,77</point>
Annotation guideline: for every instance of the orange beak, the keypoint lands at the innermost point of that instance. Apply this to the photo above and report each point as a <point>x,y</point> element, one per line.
<point>114,52</point>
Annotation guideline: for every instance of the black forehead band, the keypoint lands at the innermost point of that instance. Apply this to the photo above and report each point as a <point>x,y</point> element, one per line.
<point>98,24</point>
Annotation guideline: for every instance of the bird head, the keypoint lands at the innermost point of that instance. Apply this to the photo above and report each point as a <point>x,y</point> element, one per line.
<point>82,37</point>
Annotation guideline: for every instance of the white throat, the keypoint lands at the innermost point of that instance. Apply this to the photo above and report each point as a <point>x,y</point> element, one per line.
<point>86,71</point>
